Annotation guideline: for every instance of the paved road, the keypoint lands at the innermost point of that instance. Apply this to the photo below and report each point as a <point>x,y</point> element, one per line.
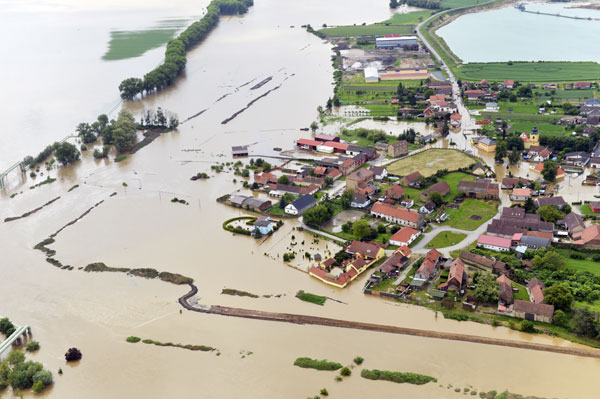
<point>471,236</point>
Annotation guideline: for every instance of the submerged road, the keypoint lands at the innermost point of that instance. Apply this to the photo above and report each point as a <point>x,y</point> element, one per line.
<point>328,322</point>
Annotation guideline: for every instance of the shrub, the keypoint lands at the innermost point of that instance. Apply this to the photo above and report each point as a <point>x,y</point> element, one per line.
<point>358,360</point>
<point>120,158</point>
<point>312,298</point>
<point>345,372</point>
<point>133,339</point>
<point>308,363</point>
<point>73,354</point>
<point>324,392</point>
<point>32,346</point>
<point>527,326</point>
<point>398,377</point>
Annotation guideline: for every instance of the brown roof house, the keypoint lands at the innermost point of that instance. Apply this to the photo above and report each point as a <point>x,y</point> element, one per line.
<point>479,190</point>
<point>536,290</point>
<point>456,277</point>
<point>589,237</point>
<point>506,294</point>
<point>533,311</point>
<point>441,187</point>
<point>398,149</point>
<point>411,180</point>
<point>359,176</point>
<point>395,192</point>
<point>401,216</point>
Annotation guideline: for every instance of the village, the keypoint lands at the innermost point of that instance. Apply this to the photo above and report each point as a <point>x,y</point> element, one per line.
<point>433,226</point>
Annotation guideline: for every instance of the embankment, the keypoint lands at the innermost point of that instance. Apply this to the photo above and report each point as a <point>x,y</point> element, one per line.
<point>328,322</point>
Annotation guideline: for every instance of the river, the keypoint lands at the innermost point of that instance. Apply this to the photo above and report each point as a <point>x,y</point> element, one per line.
<point>140,227</point>
<point>509,34</point>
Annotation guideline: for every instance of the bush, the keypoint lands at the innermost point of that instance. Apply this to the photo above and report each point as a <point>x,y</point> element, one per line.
<point>133,339</point>
<point>358,360</point>
<point>345,372</point>
<point>312,298</point>
<point>398,377</point>
<point>527,326</point>
<point>308,363</point>
<point>324,392</point>
<point>32,346</point>
<point>73,354</point>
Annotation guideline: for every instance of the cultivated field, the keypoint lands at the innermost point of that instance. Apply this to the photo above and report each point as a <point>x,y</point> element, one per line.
<point>430,161</point>
<point>529,71</point>
<point>367,30</point>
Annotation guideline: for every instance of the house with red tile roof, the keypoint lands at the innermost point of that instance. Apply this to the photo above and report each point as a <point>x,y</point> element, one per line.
<point>589,238</point>
<point>404,236</point>
<point>428,266</point>
<point>535,288</point>
<point>520,194</point>
<point>395,192</point>
<point>505,287</point>
<point>401,216</point>
<point>494,243</point>
<point>533,311</point>
<point>411,180</point>
<point>456,276</point>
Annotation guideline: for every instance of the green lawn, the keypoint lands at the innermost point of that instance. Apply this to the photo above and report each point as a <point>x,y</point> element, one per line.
<point>446,239</point>
<point>460,218</point>
<point>384,285</point>
<point>414,18</point>
<point>430,161</point>
<point>367,30</point>
<point>587,264</point>
<point>586,210</point>
<point>460,3</point>
<point>452,179</point>
<point>522,294</point>
<point>529,71</point>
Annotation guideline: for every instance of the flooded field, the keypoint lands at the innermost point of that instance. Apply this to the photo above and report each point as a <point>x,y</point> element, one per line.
<point>140,227</point>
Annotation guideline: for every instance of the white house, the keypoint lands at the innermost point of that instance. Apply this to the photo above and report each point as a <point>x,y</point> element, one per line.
<point>300,205</point>
<point>492,107</point>
<point>360,201</point>
<point>264,225</point>
<point>404,236</point>
<point>494,243</point>
<point>379,172</point>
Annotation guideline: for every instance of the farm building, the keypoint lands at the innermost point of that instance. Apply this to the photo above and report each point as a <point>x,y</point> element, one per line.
<point>391,41</point>
<point>371,75</point>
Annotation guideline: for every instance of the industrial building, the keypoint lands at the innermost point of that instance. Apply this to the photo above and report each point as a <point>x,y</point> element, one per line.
<point>392,41</point>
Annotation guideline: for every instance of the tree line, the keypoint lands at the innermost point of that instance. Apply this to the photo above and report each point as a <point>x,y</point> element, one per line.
<point>175,54</point>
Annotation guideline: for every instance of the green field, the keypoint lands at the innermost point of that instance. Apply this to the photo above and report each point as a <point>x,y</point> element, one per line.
<point>446,239</point>
<point>367,30</point>
<point>586,210</point>
<point>522,294</point>
<point>460,3</point>
<point>430,161</point>
<point>452,179</point>
<point>461,218</point>
<point>529,71</point>
<point>414,18</point>
<point>130,44</point>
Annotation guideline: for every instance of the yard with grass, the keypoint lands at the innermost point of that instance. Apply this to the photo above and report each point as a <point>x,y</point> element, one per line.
<point>386,285</point>
<point>529,71</point>
<point>471,214</point>
<point>522,294</point>
<point>586,264</point>
<point>586,210</point>
<point>451,178</point>
<point>445,239</point>
<point>378,29</point>
<point>430,161</point>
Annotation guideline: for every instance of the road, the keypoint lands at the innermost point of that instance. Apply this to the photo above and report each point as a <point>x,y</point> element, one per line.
<point>471,236</point>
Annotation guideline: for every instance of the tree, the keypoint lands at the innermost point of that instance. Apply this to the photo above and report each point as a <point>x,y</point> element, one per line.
<point>314,126</point>
<point>85,131</point>
<point>346,199</point>
<point>527,326</point>
<point>445,129</point>
<point>501,151</point>
<point>486,289</point>
<point>73,354</point>
<point>561,318</point>
<point>283,180</point>
<point>66,153</point>
<point>549,213</point>
<point>394,4</point>
<point>514,156</point>
<point>130,88</point>
<point>551,260</point>
<point>317,215</point>
<point>560,296</point>
<point>529,205</point>
<point>361,229</point>
<point>124,132</point>
<point>329,104</point>
<point>586,323</point>
<point>436,198</point>
<point>550,170</point>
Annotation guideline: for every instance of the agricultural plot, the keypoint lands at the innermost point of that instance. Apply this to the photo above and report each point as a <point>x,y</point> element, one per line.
<point>529,71</point>
<point>430,161</point>
<point>367,30</point>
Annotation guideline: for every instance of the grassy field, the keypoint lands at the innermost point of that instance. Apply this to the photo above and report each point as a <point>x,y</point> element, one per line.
<point>130,44</point>
<point>445,239</point>
<point>587,264</point>
<point>430,161</point>
<point>586,210</point>
<point>452,179</point>
<point>522,294</point>
<point>529,71</point>
<point>460,218</point>
<point>413,18</point>
<point>367,30</point>
<point>460,3</point>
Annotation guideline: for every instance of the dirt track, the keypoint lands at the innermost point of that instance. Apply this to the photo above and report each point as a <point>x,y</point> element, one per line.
<point>324,321</point>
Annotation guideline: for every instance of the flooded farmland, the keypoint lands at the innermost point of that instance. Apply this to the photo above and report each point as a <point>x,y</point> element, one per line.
<point>140,227</point>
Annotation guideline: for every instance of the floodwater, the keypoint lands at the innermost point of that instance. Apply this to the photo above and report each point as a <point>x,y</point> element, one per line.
<point>140,227</point>
<point>509,34</point>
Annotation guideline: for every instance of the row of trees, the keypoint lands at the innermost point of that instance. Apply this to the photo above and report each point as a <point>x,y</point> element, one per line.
<point>175,54</point>
<point>21,374</point>
<point>159,118</point>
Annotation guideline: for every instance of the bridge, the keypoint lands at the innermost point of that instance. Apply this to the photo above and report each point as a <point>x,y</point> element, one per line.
<point>20,335</point>
<point>3,175</point>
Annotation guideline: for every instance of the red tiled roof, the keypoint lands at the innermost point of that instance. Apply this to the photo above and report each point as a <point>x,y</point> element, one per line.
<point>398,213</point>
<point>403,235</point>
<point>495,241</point>
<point>537,294</point>
<point>308,142</point>
<point>366,249</point>
<point>336,145</point>
<point>405,250</point>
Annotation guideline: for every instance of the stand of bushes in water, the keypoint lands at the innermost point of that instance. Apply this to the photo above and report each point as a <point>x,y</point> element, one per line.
<point>202,348</point>
<point>173,278</point>
<point>239,230</point>
<point>7,327</point>
<point>308,363</point>
<point>175,53</point>
<point>398,377</point>
<point>21,374</point>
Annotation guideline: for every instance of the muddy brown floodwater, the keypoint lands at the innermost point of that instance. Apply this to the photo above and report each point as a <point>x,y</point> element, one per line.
<point>140,227</point>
